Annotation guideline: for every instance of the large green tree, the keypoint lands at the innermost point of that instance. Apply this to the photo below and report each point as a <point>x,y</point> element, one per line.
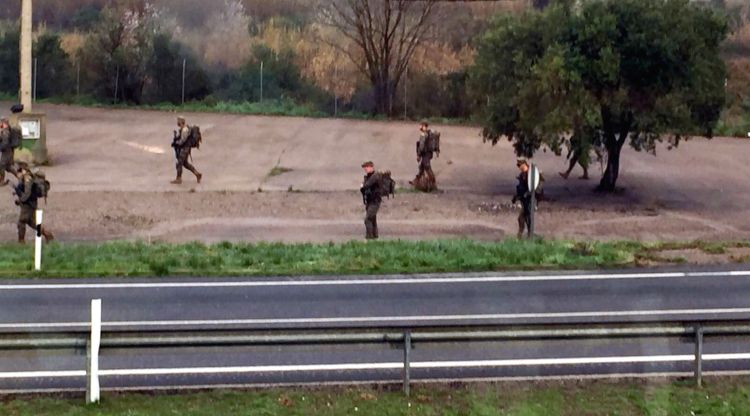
<point>624,71</point>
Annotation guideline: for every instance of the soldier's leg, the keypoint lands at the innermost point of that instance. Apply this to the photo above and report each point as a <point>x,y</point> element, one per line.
<point>189,166</point>
<point>521,224</point>
<point>26,218</point>
<point>371,221</point>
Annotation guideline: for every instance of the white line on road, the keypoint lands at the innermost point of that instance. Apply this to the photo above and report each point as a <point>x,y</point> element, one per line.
<point>383,366</point>
<point>382,281</point>
<point>387,319</point>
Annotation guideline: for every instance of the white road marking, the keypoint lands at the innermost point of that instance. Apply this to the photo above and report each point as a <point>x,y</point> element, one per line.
<point>383,366</point>
<point>383,319</point>
<point>381,281</point>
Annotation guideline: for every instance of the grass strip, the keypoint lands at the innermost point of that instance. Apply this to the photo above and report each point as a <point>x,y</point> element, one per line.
<point>278,259</point>
<point>720,397</point>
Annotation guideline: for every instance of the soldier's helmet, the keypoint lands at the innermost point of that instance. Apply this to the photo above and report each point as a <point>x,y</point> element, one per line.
<point>521,162</point>
<point>368,164</point>
<point>181,119</point>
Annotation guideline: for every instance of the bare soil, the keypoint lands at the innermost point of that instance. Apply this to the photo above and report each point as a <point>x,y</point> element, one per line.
<point>294,179</point>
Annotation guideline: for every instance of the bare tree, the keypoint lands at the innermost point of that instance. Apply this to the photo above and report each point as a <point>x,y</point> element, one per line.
<point>380,37</point>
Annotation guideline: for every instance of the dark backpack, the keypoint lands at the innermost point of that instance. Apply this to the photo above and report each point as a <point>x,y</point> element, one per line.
<point>386,184</point>
<point>196,138</point>
<point>40,187</point>
<point>16,136</point>
<point>433,142</point>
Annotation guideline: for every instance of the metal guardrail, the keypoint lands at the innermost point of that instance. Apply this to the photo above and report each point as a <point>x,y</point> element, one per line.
<point>94,340</point>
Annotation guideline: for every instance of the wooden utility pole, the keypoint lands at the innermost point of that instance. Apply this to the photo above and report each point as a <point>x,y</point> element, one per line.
<point>26,58</point>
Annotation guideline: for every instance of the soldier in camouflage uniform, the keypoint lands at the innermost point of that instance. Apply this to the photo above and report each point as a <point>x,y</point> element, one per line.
<point>425,179</point>
<point>6,151</point>
<point>182,149</point>
<point>372,199</point>
<point>28,199</point>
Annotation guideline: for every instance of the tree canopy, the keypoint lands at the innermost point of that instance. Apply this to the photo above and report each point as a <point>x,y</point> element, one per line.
<point>611,71</point>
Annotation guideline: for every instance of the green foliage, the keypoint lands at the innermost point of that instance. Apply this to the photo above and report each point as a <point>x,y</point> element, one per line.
<point>115,56</point>
<point>54,76</point>
<point>281,80</point>
<point>140,259</point>
<point>86,17</point>
<point>619,68</point>
<point>165,73</point>
<point>9,61</point>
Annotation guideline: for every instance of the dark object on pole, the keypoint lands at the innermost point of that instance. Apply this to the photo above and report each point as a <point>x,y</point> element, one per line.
<point>16,108</point>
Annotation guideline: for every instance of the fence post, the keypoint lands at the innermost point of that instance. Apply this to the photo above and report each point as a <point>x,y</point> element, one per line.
<point>698,372</point>
<point>184,65</point>
<point>36,71</point>
<point>261,81</point>
<point>407,362</point>
<point>92,353</point>
<point>38,241</point>
<point>78,78</point>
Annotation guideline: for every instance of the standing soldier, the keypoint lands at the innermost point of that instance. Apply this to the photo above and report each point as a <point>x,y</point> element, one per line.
<point>372,199</point>
<point>426,147</point>
<point>182,148</point>
<point>523,195</point>
<point>29,190</point>
<point>6,151</point>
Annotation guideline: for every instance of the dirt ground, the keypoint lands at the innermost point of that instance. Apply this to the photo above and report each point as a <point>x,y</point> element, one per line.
<point>111,169</point>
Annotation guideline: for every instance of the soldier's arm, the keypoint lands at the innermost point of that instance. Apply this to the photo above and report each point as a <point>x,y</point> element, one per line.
<point>28,184</point>
<point>184,134</point>
<point>4,139</point>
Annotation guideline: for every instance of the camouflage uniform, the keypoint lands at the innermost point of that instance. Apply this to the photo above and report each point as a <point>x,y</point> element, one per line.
<point>182,152</point>
<point>28,201</point>
<point>372,198</point>
<point>425,179</point>
<point>6,155</point>
<point>524,196</point>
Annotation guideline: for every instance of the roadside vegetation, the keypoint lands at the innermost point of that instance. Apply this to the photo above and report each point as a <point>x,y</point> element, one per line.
<point>383,257</point>
<point>132,53</point>
<point>662,398</point>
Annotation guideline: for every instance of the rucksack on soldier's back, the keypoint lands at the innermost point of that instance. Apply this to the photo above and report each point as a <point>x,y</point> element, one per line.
<point>433,142</point>
<point>16,137</point>
<point>386,184</point>
<point>196,138</point>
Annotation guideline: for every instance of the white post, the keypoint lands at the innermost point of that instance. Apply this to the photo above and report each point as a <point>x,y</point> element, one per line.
<point>38,241</point>
<point>92,353</point>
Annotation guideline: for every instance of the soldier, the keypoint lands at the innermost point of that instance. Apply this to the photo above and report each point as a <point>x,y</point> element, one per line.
<point>6,151</point>
<point>579,153</point>
<point>523,195</point>
<point>425,179</point>
<point>372,199</point>
<point>182,149</point>
<point>28,194</point>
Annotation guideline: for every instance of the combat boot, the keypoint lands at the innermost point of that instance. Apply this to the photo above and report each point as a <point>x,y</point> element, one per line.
<point>177,181</point>
<point>48,237</point>
<point>199,176</point>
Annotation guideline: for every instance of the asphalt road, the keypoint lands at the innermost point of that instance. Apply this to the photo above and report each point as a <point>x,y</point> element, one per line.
<point>425,301</point>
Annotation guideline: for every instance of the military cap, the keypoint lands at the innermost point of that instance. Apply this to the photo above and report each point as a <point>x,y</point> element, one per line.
<point>180,119</point>
<point>521,162</point>
<point>424,122</point>
<point>16,108</point>
<point>368,163</point>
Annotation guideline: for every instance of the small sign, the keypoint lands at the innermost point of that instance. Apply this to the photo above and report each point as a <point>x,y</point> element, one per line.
<point>534,177</point>
<point>30,129</point>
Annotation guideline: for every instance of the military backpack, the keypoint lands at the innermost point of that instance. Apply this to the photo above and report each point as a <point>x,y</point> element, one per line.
<point>16,137</point>
<point>40,186</point>
<point>386,184</point>
<point>433,142</point>
<point>196,138</point>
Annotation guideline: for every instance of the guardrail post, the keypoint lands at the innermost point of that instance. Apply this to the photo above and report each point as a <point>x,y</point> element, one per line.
<point>92,353</point>
<point>698,356</point>
<point>407,362</point>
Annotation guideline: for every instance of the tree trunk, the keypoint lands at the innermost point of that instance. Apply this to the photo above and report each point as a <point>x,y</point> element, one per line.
<point>609,179</point>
